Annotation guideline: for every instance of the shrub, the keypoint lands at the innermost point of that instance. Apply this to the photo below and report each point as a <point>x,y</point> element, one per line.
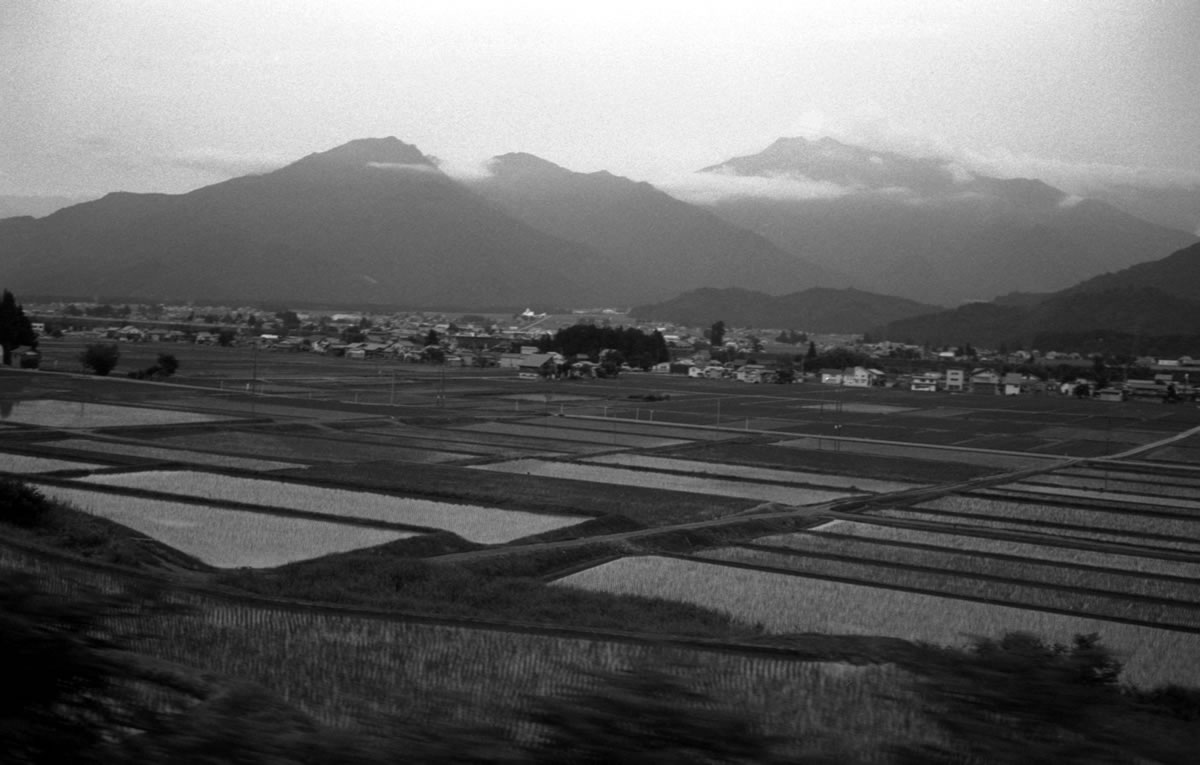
<point>21,504</point>
<point>165,367</point>
<point>101,358</point>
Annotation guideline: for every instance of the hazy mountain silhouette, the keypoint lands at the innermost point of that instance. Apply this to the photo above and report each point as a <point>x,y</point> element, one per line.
<point>927,229</point>
<point>372,221</point>
<point>662,246</point>
<point>1156,299</point>
<point>820,309</point>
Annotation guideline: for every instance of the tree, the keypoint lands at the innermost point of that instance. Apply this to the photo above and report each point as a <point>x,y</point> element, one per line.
<point>21,504</point>
<point>164,367</point>
<point>15,328</point>
<point>101,358</point>
<point>288,319</point>
<point>812,352</point>
<point>226,337</point>
<point>716,334</point>
<point>431,338</point>
<point>167,364</point>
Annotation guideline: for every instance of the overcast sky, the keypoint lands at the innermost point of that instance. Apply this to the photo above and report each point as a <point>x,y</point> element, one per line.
<point>104,95</point>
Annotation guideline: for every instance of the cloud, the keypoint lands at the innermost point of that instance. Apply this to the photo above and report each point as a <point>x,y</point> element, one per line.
<point>1077,177</point>
<point>465,170</point>
<point>871,127</point>
<point>712,187</point>
<point>404,167</point>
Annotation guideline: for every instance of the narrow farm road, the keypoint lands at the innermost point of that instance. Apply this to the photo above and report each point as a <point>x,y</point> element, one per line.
<point>1151,446</point>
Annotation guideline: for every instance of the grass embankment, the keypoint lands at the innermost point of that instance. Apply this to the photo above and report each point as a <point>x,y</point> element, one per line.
<point>510,588</point>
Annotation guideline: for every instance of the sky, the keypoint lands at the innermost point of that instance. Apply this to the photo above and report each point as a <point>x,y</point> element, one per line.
<point>134,95</point>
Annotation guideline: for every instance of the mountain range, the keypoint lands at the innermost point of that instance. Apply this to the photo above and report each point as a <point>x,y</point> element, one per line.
<point>376,221</point>
<point>927,229</point>
<point>819,309</point>
<point>667,245</point>
<point>1134,306</point>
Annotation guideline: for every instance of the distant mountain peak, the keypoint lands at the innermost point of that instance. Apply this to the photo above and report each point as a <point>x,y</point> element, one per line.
<point>520,162</point>
<point>367,151</point>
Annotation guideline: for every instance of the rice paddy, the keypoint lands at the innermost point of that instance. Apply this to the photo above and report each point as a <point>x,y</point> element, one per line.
<point>225,538</point>
<point>1071,590</point>
<point>999,461</point>
<point>1023,562</point>
<point>1098,519</point>
<point>785,603</point>
<point>157,453</point>
<point>601,474</point>
<point>53,413</point>
<point>1032,526</point>
<point>27,464</point>
<point>474,523</point>
<point>748,473</point>
<point>1024,550</point>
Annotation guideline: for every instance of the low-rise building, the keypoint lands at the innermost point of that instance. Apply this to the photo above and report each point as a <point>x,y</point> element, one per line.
<point>926,382</point>
<point>956,380</point>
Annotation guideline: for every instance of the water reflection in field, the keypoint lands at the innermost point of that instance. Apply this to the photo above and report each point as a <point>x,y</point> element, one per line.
<point>54,413</point>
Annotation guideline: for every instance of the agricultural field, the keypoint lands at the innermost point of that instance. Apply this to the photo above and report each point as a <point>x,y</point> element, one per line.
<point>50,413</point>
<point>848,514</point>
<point>226,538</point>
<point>1088,593</point>
<point>1154,521</point>
<point>600,474</point>
<point>954,543</point>
<point>1169,528</point>
<point>476,524</point>
<point>159,454</point>
<point>786,603</point>
<point>19,464</point>
<point>766,475</point>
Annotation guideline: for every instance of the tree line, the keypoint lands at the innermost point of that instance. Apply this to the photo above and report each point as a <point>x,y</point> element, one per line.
<point>631,345</point>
